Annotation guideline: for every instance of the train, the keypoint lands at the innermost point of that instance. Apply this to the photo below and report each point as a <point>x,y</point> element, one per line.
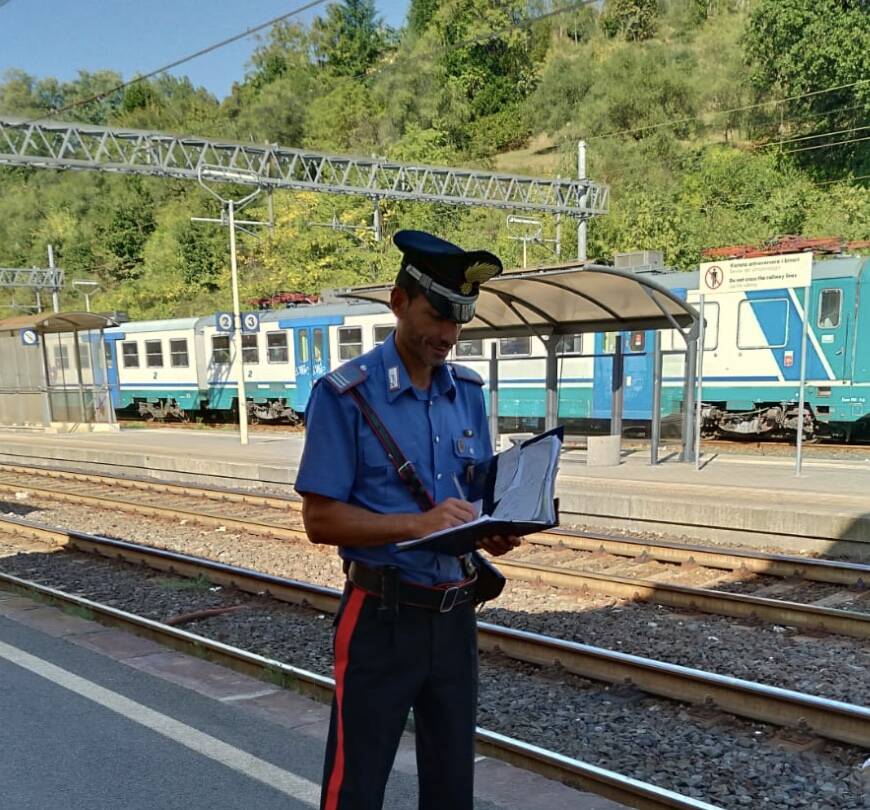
<point>181,368</point>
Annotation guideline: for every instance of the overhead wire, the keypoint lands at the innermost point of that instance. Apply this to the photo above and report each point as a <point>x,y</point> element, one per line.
<point>810,137</point>
<point>827,145</point>
<point>744,108</point>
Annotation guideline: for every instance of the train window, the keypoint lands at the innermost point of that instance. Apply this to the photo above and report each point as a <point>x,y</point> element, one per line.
<point>276,343</point>
<point>762,324</point>
<point>469,348</point>
<point>303,346</point>
<point>130,353</point>
<point>178,353</point>
<point>830,305</point>
<point>317,342</point>
<point>250,350</point>
<point>515,346</point>
<point>107,351</point>
<point>61,357</point>
<point>636,341</point>
<point>609,344</point>
<point>711,333</point>
<point>349,342</point>
<point>569,344</point>
<point>153,354</point>
<point>220,350</point>
<point>382,333</point>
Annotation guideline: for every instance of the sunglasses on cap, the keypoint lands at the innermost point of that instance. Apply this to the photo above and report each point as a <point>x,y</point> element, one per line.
<point>446,302</point>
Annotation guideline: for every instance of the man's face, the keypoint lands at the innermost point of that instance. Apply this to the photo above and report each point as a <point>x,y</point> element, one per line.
<point>421,330</point>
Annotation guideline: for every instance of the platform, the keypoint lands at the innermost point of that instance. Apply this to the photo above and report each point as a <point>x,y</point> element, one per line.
<point>744,499</point>
<point>114,721</point>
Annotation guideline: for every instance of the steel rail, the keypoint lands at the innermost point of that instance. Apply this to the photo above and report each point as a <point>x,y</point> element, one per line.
<point>722,603</point>
<point>550,764</point>
<point>768,564</point>
<point>205,518</point>
<point>775,611</point>
<point>828,718</point>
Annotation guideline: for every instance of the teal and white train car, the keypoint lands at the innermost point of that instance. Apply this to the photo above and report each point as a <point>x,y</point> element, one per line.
<point>751,362</point>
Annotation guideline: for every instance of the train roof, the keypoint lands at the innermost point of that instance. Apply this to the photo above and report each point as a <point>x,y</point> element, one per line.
<point>165,325</point>
<point>313,311</point>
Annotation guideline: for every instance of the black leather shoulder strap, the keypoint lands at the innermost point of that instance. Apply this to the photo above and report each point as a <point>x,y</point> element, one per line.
<point>403,467</point>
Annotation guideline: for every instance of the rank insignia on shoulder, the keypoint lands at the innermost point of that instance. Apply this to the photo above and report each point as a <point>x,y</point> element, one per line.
<point>466,374</point>
<point>346,377</point>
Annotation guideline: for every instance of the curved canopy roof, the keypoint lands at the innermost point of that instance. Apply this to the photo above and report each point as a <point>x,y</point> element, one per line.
<point>564,300</point>
<point>52,322</point>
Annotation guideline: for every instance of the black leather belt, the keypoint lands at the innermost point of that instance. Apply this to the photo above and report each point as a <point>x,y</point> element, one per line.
<point>442,598</point>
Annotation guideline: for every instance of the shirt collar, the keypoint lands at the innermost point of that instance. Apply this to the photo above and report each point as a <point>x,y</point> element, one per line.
<point>397,381</point>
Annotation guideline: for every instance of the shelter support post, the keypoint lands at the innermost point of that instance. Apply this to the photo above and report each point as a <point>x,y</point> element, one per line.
<point>617,388</point>
<point>699,405</point>
<point>551,414</point>
<point>691,367</point>
<point>656,420</point>
<point>47,412</point>
<point>75,353</point>
<point>493,396</point>
<point>801,395</point>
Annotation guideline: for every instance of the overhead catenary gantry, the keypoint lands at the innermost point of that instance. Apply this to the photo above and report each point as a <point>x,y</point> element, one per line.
<point>64,145</point>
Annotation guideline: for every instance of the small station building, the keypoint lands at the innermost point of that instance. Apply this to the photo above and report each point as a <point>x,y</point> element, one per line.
<point>53,373</point>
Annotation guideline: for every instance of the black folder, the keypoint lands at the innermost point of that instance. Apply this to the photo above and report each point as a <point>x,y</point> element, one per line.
<point>515,489</point>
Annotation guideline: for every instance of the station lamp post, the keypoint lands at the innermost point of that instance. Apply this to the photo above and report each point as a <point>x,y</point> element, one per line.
<point>208,175</point>
<point>87,288</point>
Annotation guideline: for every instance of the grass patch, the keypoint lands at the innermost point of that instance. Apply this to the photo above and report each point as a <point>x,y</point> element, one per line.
<point>199,583</point>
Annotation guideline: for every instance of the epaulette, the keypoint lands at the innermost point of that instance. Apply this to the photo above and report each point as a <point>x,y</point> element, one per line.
<point>346,377</point>
<point>467,374</point>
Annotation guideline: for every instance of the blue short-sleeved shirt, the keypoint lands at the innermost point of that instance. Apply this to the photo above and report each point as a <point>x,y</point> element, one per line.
<point>441,431</point>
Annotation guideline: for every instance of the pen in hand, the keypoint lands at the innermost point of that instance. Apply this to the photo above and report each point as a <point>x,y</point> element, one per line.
<point>458,486</point>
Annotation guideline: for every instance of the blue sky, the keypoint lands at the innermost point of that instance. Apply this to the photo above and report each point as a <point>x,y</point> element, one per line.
<point>55,38</point>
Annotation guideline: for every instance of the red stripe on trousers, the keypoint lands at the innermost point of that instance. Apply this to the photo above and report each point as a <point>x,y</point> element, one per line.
<point>342,653</point>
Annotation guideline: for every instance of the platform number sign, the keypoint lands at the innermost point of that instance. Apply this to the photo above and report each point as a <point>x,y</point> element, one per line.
<point>250,322</point>
<point>223,321</point>
<point>29,337</point>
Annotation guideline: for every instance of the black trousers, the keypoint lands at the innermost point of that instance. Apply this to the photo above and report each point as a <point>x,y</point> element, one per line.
<point>419,659</point>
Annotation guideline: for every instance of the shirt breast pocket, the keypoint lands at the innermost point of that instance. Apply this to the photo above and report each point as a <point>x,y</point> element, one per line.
<point>376,465</point>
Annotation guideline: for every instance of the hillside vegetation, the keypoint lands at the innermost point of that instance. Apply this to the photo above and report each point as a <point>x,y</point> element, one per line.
<point>713,121</point>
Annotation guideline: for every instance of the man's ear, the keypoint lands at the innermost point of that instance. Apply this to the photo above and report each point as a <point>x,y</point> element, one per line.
<point>399,301</point>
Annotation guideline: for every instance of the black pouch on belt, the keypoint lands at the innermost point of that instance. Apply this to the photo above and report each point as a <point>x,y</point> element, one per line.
<point>490,581</point>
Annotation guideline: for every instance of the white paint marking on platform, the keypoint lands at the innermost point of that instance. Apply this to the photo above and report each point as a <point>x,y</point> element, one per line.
<point>296,787</point>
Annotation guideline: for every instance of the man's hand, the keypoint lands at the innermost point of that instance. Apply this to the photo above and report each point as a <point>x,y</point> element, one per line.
<point>499,544</point>
<point>449,513</point>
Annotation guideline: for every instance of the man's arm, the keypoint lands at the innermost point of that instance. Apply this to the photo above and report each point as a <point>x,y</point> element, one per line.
<point>337,523</point>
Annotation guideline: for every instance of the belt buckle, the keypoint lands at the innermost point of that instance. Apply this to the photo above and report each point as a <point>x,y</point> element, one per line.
<point>448,605</point>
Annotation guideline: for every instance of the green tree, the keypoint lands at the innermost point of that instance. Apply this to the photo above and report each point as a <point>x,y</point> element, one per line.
<point>634,20</point>
<point>801,47</point>
<point>351,38</point>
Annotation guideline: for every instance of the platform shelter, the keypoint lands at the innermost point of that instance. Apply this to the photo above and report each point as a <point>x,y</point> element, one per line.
<point>53,372</point>
<point>553,302</point>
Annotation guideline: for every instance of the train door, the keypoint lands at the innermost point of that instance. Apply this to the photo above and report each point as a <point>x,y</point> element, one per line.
<point>831,306</point>
<point>311,345</point>
<point>112,378</point>
<point>638,380</point>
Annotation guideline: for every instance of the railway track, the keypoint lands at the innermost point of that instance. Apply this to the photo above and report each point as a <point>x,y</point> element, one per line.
<point>831,719</point>
<point>615,786</point>
<point>280,517</point>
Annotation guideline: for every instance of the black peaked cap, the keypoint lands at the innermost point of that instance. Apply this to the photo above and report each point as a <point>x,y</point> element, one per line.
<point>462,271</point>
